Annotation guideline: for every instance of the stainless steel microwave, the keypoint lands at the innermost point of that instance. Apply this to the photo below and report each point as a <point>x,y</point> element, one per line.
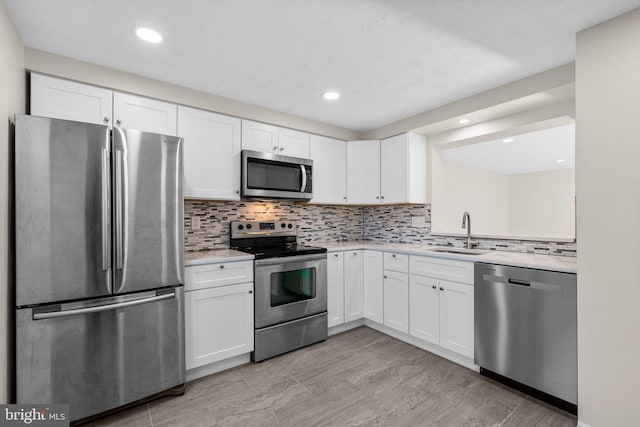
<point>271,176</point>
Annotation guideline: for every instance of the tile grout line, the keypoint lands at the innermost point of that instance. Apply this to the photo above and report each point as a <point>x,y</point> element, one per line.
<point>303,386</point>
<point>245,381</point>
<point>149,413</point>
<point>514,411</point>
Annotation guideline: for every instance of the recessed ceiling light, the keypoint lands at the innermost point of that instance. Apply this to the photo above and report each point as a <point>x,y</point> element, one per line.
<point>148,35</point>
<point>464,121</point>
<point>507,140</point>
<point>560,161</point>
<point>331,96</point>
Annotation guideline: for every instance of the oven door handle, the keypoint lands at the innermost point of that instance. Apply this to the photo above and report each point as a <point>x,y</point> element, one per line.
<point>290,259</point>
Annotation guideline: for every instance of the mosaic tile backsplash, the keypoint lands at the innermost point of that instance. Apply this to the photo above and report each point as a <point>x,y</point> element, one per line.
<point>338,223</point>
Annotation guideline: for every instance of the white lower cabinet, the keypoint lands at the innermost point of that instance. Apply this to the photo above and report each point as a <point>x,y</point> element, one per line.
<point>424,306</point>
<point>218,312</point>
<point>353,285</point>
<point>218,324</point>
<point>373,286</point>
<point>456,317</point>
<point>441,310</point>
<point>335,288</point>
<point>396,301</point>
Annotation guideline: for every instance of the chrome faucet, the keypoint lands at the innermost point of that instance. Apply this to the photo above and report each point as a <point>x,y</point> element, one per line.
<point>466,218</point>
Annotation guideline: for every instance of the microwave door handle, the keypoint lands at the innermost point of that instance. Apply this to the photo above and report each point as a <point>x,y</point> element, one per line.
<point>304,178</point>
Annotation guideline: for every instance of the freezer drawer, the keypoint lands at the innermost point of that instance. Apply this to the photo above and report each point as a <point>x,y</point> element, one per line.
<point>100,355</point>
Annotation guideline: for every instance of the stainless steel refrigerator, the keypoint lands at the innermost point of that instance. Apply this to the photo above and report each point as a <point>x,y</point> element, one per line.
<point>99,264</point>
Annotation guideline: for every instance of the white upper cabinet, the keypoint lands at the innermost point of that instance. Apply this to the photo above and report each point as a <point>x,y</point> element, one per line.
<point>145,114</point>
<point>67,100</point>
<point>363,172</point>
<point>293,143</point>
<point>403,171</point>
<point>259,137</point>
<point>335,288</point>
<point>211,154</point>
<point>329,170</point>
<point>373,286</point>
<point>272,139</point>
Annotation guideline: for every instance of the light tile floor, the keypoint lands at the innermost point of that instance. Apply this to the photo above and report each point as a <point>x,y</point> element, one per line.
<point>357,378</point>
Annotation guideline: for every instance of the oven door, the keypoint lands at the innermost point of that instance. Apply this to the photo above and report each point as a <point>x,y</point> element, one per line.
<point>275,176</point>
<point>289,288</point>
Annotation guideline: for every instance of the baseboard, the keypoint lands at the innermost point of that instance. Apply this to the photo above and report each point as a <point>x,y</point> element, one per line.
<point>582,424</point>
<point>431,348</point>
<point>223,365</point>
<point>338,329</point>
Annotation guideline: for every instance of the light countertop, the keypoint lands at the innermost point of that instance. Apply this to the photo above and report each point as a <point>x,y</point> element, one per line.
<point>515,259</point>
<point>215,256</point>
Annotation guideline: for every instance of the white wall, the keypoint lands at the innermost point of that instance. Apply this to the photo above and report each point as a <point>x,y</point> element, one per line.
<point>72,69</point>
<point>12,90</point>
<point>458,188</point>
<point>608,196</point>
<point>547,196</point>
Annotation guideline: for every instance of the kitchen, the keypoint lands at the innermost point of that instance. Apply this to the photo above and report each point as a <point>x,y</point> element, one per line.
<point>409,227</point>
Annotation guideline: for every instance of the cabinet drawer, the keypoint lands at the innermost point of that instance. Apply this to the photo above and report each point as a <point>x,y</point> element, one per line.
<point>396,262</point>
<point>214,275</point>
<point>446,269</point>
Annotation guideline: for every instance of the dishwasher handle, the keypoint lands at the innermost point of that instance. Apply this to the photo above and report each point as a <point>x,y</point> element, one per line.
<point>519,282</point>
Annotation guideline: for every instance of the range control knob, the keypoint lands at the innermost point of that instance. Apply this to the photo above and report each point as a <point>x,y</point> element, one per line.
<point>249,226</point>
<point>241,227</point>
<point>290,225</point>
<point>283,225</point>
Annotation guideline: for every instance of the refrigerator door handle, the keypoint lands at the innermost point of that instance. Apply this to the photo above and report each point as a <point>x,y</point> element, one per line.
<point>118,211</point>
<point>99,308</point>
<point>105,210</point>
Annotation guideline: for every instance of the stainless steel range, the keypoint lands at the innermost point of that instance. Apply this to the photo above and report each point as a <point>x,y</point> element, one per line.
<point>290,286</point>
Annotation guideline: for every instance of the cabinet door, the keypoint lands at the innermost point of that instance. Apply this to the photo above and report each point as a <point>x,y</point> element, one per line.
<point>63,99</point>
<point>329,170</point>
<point>353,286</point>
<point>293,143</point>
<point>145,114</point>
<point>259,137</point>
<point>396,301</point>
<point>335,288</point>
<point>394,169</point>
<point>211,154</point>
<point>218,324</point>
<point>424,308</point>
<point>456,317</point>
<point>363,172</point>
<point>373,286</point>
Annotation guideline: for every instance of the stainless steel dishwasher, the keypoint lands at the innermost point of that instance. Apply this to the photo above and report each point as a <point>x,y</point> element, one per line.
<point>525,330</point>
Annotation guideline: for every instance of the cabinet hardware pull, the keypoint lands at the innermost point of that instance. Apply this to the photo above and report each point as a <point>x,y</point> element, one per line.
<point>441,288</point>
<point>106,119</point>
<point>281,148</point>
<point>384,277</point>
<point>335,255</point>
<point>394,255</point>
<point>237,191</point>
<point>222,266</point>
<point>434,286</point>
<point>118,122</point>
<point>250,292</point>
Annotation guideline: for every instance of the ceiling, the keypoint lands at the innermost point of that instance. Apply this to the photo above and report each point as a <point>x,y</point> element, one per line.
<point>388,59</point>
<point>531,152</point>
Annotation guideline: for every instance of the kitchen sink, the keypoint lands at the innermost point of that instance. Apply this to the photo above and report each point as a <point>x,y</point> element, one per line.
<point>461,251</point>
